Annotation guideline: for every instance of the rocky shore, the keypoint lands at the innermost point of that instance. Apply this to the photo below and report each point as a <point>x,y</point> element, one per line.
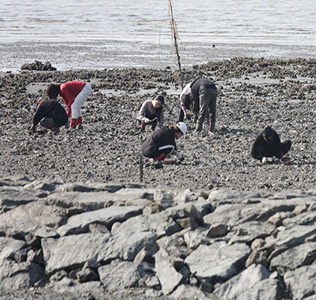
<point>127,241</point>
<point>82,217</point>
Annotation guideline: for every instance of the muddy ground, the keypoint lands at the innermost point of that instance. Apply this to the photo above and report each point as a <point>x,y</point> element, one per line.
<point>254,92</point>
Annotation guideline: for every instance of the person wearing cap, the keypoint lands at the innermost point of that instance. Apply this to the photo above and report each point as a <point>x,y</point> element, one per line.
<point>201,94</point>
<point>268,144</point>
<point>73,93</point>
<point>151,113</point>
<point>50,114</point>
<point>162,142</point>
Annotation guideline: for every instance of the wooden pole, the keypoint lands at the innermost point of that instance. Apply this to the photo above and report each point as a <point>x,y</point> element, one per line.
<point>173,27</point>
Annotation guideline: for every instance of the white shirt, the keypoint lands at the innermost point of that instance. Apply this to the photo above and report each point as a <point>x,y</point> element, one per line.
<point>185,91</point>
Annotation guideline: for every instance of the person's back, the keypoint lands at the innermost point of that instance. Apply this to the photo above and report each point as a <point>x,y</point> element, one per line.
<point>268,144</point>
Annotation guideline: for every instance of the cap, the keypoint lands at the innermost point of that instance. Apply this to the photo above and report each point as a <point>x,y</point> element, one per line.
<point>183,128</point>
<point>161,99</point>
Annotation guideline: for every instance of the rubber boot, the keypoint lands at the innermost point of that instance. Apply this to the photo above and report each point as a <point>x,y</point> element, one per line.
<point>212,126</point>
<point>73,123</point>
<point>198,127</point>
<point>79,123</point>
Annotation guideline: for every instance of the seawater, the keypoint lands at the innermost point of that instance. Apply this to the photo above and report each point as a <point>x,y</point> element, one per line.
<point>281,22</point>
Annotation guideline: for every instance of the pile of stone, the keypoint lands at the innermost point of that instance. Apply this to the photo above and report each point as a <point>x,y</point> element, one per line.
<point>38,66</point>
<point>206,244</point>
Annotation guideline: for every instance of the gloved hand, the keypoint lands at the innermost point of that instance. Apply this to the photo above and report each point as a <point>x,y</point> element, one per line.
<point>263,160</point>
<point>146,121</point>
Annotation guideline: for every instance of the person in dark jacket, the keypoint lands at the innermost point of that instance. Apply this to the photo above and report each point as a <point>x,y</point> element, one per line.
<point>151,113</point>
<point>268,144</point>
<point>162,142</point>
<point>201,94</point>
<point>50,114</point>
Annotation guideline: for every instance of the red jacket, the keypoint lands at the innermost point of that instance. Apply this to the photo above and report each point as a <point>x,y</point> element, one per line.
<point>69,91</point>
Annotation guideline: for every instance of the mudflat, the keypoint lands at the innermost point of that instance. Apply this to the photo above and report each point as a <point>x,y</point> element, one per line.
<point>253,93</point>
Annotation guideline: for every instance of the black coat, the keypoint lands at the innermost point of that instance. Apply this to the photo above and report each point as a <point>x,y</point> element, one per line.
<point>195,91</point>
<point>160,137</point>
<point>51,109</point>
<point>261,148</point>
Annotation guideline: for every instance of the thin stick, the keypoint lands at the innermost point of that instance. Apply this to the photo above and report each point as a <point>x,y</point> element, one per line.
<point>174,31</point>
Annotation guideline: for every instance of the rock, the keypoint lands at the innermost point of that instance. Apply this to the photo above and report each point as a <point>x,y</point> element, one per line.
<point>204,261</point>
<point>217,230</point>
<point>30,217</point>
<point>8,247</point>
<point>118,275</point>
<point>69,252</point>
<point>259,285</point>
<point>295,257</point>
<point>169,278</point>
<point>301,282</point>
<point>106,216</point>
<point>187,292</point>
<point>14,276</point>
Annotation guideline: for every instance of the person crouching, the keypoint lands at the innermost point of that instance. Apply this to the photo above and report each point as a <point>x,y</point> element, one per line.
<point>268,144</point>
<point>50,114</point>
<point>151,113</point>
<point>162,142</point>
<point>73,93</point>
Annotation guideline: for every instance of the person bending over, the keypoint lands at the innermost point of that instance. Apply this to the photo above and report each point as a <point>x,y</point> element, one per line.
<point>202,95</point>
<point>162,142</point>
<point>73,93</point>
<point>268,144</point>
<point>50,114</point>
<point>151,113</point>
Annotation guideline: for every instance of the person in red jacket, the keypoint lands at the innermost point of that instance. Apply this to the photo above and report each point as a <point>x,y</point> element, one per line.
<point>74,93</point>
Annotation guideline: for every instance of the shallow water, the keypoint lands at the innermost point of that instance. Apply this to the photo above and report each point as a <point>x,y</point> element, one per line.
<point>105,34</point>
<point>282,22</point>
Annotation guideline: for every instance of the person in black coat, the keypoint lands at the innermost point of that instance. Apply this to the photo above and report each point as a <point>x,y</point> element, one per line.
<point>201,95</point>
<point>268,144</point>
<point>50,114</point>
<point>162,142</point>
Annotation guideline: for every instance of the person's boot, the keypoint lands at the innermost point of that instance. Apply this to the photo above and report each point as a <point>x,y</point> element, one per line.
<point>73,123</point>
<point>79,123</point>
<point>212,126</point>
<point>198,127</point>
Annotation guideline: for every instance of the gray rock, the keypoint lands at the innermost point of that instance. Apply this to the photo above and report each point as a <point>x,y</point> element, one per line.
<point>291,237</point>
<point>301,282</point>
<point>73,288</point>
<point>305,218</point>
<point>14,276</point>
<point>13,196</point>
<point>106,216</point>
<point>295,257</point>
<point>8,247</point>
<point>169,278</point>
<point>73,251</point>
<point>194,239</point>
<point>98,200</point>
<point>30,217</point>
<point>204,261</point>
<point>185,196</point>
<point>161,224</point>
<point>120,274</point>
<point>217,230</point>
<point>187,292</point>
<point>126,246</point>
<point>41,185</point>
<point>249,231</point>
<point>252,283</point>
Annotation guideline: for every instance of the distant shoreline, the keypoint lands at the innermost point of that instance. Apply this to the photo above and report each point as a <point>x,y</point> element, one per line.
<point>125,54</point>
